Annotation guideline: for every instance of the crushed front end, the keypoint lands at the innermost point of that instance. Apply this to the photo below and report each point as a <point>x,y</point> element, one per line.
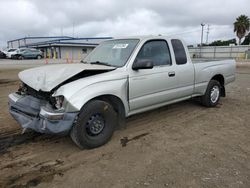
<point>40,111</point>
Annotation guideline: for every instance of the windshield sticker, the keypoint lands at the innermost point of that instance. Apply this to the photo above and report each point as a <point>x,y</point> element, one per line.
<point>120,46</point>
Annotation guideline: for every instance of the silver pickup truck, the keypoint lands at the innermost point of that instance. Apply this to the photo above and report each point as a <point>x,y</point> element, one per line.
<point>119,78</point>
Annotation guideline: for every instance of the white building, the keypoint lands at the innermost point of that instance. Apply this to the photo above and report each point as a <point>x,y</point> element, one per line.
<point>62,47</point>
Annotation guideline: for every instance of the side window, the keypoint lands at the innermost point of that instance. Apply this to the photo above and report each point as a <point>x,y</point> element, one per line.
<point>179,52</point>
<point>157,51</point>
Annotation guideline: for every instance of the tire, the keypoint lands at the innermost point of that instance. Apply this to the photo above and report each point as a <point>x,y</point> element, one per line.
<point>95,125</point>
<point>13,57</point>
<point>39,57</point>
<point>20,57</point>
<point>212,95</point>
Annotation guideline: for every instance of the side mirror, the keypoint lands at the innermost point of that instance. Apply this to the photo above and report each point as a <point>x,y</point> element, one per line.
<point>142,64</point>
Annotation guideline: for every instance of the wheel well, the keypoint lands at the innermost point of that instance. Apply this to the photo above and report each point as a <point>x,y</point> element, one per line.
<point>221,80</point>
<point>118,106</point>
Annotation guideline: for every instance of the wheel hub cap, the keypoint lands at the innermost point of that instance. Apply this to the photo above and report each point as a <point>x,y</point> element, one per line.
<point>215,93</point>
<point>95,124</point>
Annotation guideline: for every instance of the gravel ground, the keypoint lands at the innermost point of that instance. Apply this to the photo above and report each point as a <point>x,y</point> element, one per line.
<point>181,145</point>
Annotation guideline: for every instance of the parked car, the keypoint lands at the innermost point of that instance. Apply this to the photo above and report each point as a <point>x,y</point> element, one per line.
<point>10,52</point>
<point>14,53</point>
<point>17,53</point>
<point>119,78</point>
<point>2,55</point>
<point>28,53</point>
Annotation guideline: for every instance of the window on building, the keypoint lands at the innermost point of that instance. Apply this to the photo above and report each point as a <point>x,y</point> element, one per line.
<point>157,51</point>
<point>179,51</point>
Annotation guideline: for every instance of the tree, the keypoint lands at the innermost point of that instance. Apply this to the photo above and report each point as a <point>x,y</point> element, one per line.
<point>222,42</point>
<point>247,40</point>
<point>241,26</point>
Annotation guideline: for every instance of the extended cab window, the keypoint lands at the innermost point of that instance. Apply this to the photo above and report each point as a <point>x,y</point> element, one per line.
<point>179,51</point>
<point>157,51</point>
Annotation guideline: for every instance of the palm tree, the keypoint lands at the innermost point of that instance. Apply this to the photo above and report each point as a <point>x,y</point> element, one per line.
<point>241,26</point>
<point>246,40</point>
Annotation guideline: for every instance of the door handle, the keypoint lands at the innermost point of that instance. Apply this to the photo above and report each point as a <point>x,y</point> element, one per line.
<point>171,74</point>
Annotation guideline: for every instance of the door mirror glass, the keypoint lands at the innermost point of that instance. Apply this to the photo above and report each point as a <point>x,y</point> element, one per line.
<point>142,64</point>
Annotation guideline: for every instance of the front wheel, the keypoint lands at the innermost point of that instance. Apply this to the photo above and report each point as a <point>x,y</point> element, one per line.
<point>95,125</point>
<point>212,95</point>
<point>39,57</point>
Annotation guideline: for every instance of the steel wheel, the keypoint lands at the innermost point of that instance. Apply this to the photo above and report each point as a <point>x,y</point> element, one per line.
<point>215,93</point>
<point>95,125</point>
<point>212,94</point>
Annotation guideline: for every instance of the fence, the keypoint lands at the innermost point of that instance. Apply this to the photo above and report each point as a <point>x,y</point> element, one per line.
<point>220,52</point>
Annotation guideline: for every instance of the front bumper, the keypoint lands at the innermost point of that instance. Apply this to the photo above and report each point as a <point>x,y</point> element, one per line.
<point>36,114</point>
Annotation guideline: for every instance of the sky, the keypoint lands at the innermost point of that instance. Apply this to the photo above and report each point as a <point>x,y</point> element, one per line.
<point>99,18</point>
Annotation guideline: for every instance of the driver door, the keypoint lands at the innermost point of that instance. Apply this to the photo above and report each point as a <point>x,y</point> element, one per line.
<point>149,87</point>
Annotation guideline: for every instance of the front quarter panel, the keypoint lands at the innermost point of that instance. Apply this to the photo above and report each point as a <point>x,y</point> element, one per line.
<point>116,88</point>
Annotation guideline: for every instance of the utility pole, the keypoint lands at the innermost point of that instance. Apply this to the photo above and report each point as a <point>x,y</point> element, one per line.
<point>207,33</point>
<point>202,28</point>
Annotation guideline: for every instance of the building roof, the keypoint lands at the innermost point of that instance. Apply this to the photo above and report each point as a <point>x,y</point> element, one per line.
<point>48,44</point>
<point>59,41</point>
<point>54,37</point>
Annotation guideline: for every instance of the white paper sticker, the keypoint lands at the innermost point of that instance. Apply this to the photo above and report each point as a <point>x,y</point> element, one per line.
<point>120,46</point>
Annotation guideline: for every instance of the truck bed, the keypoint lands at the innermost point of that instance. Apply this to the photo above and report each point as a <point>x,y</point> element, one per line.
<point>204,70</point>
<point>204,60</point>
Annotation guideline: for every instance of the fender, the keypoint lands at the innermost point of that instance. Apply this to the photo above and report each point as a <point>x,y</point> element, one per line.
<point>118,88</point>
<point>203,74</point>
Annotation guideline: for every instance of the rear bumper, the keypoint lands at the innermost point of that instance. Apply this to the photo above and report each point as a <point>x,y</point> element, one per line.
<point>36,114</point>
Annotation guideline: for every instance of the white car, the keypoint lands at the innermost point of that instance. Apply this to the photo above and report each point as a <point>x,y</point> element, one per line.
<point>10,52</point>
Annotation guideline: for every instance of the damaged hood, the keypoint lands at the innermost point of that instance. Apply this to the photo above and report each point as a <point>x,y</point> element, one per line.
<point>48,77</point>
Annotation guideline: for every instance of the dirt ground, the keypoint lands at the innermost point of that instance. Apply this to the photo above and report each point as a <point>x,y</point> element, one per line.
<point>181,145</point>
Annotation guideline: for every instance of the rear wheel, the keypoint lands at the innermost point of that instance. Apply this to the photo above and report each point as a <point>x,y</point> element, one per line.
<point>212,95</point>
<point>39,57</point>
<point>20,57</point>
<point>95,125</point>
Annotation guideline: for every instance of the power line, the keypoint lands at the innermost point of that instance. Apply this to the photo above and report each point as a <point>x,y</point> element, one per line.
<point>186,32</point>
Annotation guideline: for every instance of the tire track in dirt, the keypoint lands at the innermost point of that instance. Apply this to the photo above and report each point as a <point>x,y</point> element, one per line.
<point>45,171</point>
<point>15,138</point>
<point>4,82</point>
<point>42,172</point>
<point>10,140</point>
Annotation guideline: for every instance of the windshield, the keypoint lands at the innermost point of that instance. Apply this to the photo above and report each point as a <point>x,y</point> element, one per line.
<point>112,53</point>
<point>11,50</point>
<point>21,50</point>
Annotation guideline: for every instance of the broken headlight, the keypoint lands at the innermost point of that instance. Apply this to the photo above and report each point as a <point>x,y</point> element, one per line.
<point>59,101</point>
<point>22,89</point>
